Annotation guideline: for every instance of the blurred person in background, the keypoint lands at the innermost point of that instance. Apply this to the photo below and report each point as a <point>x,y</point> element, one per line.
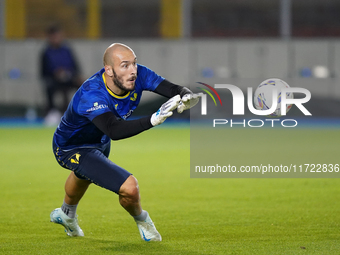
<point>59,71</point>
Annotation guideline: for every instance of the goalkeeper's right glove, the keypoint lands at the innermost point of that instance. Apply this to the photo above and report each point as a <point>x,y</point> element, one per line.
<point>165,110</point>
<point>188,101</point>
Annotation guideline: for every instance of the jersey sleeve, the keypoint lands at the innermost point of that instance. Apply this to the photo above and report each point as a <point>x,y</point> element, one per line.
<point>150,80</point>
<point>93,104</point>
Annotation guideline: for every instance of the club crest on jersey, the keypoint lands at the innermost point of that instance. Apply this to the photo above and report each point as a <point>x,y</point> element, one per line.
<point>134,97</point>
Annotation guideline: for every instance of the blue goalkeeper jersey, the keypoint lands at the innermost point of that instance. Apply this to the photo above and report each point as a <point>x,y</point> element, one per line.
<point>92,99</point>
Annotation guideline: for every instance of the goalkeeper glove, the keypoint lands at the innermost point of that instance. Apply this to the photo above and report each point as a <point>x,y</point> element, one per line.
<point>188,101</point>
<point>165,110</point>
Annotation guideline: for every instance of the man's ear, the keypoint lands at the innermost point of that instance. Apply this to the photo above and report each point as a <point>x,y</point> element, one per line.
<point>108,70</point>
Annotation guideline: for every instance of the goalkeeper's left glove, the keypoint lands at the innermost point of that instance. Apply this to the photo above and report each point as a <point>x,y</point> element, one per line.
<point>187,101</point>
<point>165,111</point>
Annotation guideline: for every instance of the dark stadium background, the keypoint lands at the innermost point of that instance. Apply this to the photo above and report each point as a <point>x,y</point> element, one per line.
<point>284,38</point>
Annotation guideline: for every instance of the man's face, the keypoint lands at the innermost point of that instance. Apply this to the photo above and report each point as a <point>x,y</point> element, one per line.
<point>56,38</point>
<point>125,70</point>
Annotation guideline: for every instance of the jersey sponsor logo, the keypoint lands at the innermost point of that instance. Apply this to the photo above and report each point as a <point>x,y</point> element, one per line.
<point>75,158</point>
<point>97,107</point>
<point>127,115</point>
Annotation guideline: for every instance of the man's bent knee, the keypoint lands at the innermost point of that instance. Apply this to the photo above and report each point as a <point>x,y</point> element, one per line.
<point>130,188</point>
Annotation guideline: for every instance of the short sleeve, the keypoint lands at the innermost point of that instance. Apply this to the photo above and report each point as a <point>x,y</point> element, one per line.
<point>149,79</point>
<point>93,104</point>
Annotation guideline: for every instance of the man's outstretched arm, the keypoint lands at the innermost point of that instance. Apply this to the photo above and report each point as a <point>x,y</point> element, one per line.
<point>188,99</point>
<point>168,89</point>
<point>120,129</point>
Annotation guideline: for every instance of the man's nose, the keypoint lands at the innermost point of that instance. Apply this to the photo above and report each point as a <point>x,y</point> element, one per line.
<point>134,69</point>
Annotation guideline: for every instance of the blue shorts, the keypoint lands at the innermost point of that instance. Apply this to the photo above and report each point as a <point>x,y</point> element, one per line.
<point>93,165</point>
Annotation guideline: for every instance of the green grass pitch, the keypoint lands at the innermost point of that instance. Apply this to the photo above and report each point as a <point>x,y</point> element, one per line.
<point>194,216</point>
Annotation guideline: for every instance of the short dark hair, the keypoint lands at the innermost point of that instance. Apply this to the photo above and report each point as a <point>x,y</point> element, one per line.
<point>53,29</point>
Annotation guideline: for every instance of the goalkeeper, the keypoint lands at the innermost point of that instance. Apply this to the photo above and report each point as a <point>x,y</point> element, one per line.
<point>98,113</point>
